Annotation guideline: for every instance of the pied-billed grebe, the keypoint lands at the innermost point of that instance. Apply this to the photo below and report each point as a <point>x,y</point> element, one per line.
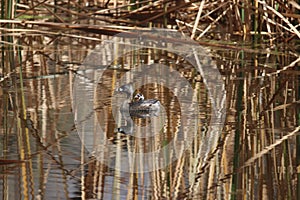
<point>141,104</point>
<point>142,108</point>
<point>138,107</point>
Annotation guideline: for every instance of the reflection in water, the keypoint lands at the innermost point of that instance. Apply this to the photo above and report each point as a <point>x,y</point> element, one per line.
<point>43,157</point>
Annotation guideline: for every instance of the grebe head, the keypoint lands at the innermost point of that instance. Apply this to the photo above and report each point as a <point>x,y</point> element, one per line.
<point>139,97</point>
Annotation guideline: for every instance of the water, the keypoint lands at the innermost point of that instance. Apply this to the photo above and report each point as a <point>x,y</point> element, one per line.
<point>70,147</point>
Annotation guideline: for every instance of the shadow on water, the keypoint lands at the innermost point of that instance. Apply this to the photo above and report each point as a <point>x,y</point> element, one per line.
<point>43,156</point>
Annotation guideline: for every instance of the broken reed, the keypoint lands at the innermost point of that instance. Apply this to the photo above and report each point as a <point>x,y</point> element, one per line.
<point>266,21</point>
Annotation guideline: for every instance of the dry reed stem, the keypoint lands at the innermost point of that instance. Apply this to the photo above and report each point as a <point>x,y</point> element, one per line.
<point>43,33</point>
<point>282,17</point>
<point>286,105</point>
<point>7,76</point>
<point>267,149</point>
<point>143,8</point>
<point>169,10</point>
<point>179,22</point>
<point>294,4</point>
<point>109,10</point>
<point>285,67</point>
<point>214,10</point>
<point>210,8</point>
<point>197,19</point>
<point>215,21</point>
